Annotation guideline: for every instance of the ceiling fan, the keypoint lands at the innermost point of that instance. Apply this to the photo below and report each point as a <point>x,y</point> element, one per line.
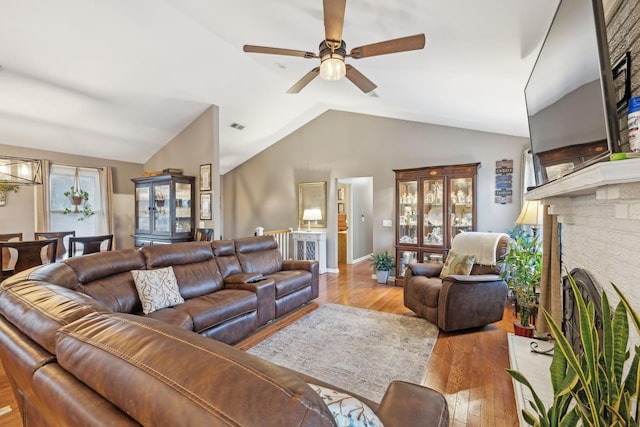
<point>333,51</point>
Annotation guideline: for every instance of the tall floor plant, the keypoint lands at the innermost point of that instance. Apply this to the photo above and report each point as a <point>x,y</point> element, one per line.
<point>590,387</point>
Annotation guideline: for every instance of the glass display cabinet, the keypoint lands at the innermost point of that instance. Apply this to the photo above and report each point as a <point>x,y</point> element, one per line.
<point>164,209</point>
<point>433,204</point>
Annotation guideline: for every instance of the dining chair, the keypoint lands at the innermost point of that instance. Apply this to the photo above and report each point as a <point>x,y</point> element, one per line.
<point>203,235</point>
<point>90,244</point>
<point>60,235</point>
<point>8,237</point>
<point>29,254</point>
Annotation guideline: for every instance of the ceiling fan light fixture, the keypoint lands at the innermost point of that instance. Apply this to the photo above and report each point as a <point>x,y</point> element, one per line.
<point>332,66</point>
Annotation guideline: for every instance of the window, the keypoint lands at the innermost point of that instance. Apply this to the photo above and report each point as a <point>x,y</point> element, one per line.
<point>61,180</point>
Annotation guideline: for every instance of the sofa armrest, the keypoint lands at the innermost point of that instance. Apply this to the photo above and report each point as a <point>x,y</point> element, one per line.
<point>406,404</point>
<point>265,291</point>
<point>308,265</point>
<point>428,269</point>
<point>243,278</point>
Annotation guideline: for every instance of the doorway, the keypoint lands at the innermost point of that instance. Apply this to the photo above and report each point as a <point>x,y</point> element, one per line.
<point>354,198</point>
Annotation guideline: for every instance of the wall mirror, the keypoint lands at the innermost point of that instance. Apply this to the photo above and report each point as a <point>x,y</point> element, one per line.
<point>312,204</point>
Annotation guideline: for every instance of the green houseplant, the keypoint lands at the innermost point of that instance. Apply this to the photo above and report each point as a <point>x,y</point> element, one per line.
<point>523,269</point>
<point>382,262</point>
<point>80,200</point>
<point>591,387</point>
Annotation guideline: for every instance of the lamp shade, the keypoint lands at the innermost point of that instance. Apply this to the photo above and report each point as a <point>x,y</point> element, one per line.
<point>312,215</point>
<point>531,213</point>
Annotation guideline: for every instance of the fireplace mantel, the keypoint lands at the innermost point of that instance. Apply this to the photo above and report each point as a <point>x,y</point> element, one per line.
<point>589,180</point>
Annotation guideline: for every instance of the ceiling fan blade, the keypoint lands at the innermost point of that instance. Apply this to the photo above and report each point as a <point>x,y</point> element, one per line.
<point>305,80</point>
<point>358,79</point>
<point>333,19</point>
<point>402,44</point>
<point>277,51</point>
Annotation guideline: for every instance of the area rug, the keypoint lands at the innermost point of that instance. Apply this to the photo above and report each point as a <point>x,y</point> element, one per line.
<point>356,349</point>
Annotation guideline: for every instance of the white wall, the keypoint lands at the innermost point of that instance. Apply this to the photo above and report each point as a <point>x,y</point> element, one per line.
<point>263,190</point>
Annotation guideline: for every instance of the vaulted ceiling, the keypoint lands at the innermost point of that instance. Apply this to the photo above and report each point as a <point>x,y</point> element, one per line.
<point>118,79</point>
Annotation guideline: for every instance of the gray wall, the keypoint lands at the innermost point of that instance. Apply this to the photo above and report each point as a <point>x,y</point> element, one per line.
<point>19,213</point>
<point>361,212</point>
<point>263,190</point>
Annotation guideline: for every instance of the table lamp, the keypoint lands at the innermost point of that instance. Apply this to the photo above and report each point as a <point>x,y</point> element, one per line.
<point>531,214</point>
<point>311,215</point>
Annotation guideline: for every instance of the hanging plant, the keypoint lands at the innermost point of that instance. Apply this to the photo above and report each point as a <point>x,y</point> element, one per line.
<point>80,202</point>
<point>79,199</point>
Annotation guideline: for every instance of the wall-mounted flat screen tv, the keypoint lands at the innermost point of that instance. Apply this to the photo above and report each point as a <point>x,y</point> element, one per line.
<point>569,95</point>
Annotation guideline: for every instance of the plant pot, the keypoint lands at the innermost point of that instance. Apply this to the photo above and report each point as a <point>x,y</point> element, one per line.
<point>382,275</point>
<point>523,331</point>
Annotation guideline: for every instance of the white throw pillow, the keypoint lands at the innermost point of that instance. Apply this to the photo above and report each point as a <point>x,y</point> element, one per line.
<point>157,288</point>
<point>346,409</point>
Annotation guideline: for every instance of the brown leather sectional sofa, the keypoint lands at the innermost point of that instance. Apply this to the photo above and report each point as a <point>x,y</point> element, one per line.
<point>78,351</point>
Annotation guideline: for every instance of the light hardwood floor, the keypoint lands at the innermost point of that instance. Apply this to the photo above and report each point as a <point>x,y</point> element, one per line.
<point>467,367</point>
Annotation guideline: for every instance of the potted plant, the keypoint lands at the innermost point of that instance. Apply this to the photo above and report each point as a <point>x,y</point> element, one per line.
<point>382,262</point>
<point>80,200</point>
<point>4,189</point>
<point>523,269</point>
<point>594,387</point>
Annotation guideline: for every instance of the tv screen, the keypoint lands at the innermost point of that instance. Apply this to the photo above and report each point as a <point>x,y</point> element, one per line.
<point>569,95</point>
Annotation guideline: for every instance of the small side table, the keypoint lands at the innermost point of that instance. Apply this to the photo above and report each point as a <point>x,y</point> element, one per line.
<point>311,245</point>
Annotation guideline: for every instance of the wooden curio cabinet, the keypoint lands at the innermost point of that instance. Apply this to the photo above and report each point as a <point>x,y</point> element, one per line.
<point>433,204</point>
<point>164,209</point>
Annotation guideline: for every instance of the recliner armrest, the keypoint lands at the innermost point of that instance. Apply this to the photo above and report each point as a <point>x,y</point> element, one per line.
<point>406,404</point>
<point>308,265</point>
<point>428,269</point>
<point>265,291</point>
<point>473,278</point>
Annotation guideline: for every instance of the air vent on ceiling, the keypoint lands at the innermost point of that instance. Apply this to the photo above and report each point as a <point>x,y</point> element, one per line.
<point>237,126</point>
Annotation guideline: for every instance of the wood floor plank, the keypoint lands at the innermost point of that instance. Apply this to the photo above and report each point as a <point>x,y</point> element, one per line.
<point>467,367</point>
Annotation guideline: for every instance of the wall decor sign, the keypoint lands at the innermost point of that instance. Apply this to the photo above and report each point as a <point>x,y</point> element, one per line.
<point>205,177</point>
<point>504,181</point>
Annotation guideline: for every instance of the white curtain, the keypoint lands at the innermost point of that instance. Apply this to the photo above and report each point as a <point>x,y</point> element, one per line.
<point>106,192</point>
<point>42,201</point>
<point>528,172</point>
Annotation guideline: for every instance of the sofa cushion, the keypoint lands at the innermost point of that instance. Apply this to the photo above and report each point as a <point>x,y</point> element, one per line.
<point>259,254</point>
<point>225,252</point>
<point>210,310</point>
<point>457,263</point>
<point>157,288</point>
<point>346,409</point>
<point>177,318</point>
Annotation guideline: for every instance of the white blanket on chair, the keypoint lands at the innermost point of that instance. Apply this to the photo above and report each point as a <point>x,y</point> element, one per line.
<point>482,245</point>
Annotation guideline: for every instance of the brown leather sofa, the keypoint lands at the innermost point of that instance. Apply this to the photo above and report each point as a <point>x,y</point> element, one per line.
<point>458,301</point>
<point>230,287</point>
<point>74,354</point>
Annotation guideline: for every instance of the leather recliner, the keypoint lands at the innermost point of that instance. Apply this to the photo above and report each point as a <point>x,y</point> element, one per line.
<point>459,301</point>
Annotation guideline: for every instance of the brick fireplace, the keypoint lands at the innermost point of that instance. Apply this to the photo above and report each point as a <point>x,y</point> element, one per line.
<point>599,212</point>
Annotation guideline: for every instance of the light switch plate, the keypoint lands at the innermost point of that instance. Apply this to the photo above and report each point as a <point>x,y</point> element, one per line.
<point>387,223</point>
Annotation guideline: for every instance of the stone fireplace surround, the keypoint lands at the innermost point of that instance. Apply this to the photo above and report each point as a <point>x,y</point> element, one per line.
<point>599,211</point>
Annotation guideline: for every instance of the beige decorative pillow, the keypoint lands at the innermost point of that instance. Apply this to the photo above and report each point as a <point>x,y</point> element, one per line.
<point>346,409</point>
<point>458,264</point>
<point>157,288</point>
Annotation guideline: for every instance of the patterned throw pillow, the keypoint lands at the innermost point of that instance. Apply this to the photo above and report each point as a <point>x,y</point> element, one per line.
<point>458,264</point>
<point>346,409</point>
<point>157,288</point>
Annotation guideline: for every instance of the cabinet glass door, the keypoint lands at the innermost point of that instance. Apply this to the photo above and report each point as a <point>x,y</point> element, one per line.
<point>404,259</point>
<point>183,207</point>
<point>461,205</point>
<point>143,209</point>
<point>408,212</point>
<point>162,217</point>
<point>433,209</point>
